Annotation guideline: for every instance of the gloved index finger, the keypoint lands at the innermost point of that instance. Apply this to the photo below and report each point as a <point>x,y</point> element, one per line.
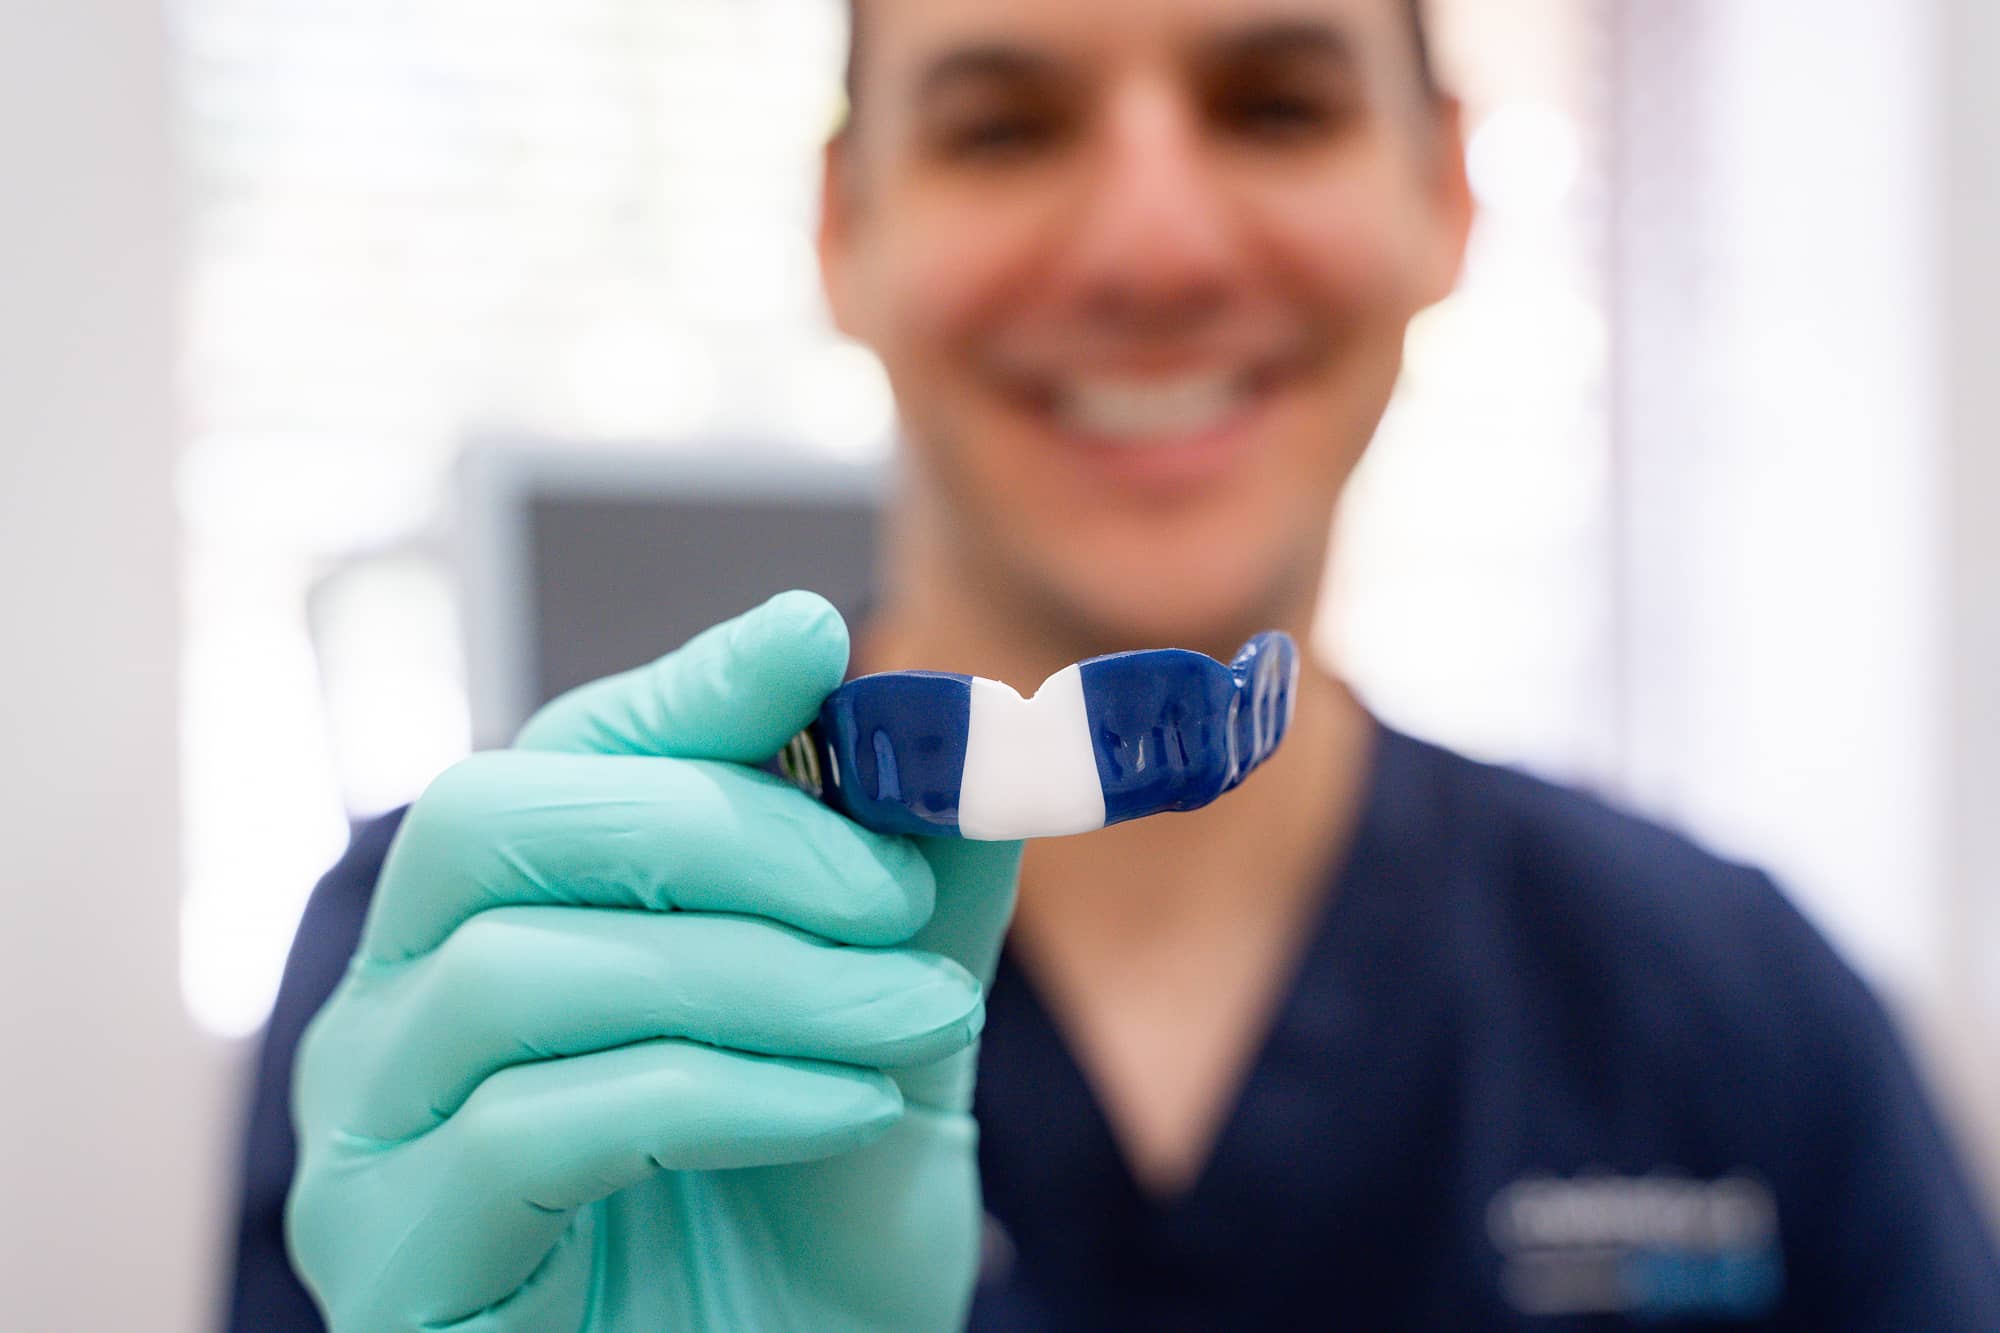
<point>508,828</point>
<point>736,692</point>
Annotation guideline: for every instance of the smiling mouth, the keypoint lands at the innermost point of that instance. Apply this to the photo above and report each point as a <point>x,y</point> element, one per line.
<point>1139,411</point>
<point>1152,412</point>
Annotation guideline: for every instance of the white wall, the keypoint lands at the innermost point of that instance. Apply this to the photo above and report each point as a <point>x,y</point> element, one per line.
<point>1969,193</point>
<point>1778,433</point>
<point>1809,252</point>
<point>1971,190</point>
<point>109,1105</point>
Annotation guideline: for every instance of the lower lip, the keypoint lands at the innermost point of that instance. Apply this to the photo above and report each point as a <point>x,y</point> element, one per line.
<point>1169,463</point>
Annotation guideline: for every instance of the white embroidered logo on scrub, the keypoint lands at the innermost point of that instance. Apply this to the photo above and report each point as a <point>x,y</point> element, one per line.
<point>1659,1246</point>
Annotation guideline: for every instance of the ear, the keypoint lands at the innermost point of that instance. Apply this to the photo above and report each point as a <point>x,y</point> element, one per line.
<point>836,232</point>
<point>1450,202</point>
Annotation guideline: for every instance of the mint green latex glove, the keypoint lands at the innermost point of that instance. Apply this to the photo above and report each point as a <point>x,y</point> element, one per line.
<point>638,1037</point>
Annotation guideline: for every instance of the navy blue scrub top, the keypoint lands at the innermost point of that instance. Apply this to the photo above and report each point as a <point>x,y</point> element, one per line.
<point>1541,1065</point>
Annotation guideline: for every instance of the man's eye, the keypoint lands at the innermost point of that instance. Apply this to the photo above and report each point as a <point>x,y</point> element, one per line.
<point>999,137</point>
<point>1279,117</point>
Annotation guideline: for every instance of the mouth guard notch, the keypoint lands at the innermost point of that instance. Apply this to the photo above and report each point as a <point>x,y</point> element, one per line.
<point>1104,741</point>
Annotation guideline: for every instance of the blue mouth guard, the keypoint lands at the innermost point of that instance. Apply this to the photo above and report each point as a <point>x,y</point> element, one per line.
<point>1104,741</point>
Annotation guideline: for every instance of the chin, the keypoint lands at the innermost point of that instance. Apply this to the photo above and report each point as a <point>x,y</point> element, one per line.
<point>1206,579</point>
<point>1213,610</point>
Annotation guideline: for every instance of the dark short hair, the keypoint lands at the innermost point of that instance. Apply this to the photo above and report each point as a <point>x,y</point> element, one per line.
<point>1413,10</point>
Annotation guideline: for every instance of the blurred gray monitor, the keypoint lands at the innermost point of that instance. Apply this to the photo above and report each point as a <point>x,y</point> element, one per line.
<point>576,563</point>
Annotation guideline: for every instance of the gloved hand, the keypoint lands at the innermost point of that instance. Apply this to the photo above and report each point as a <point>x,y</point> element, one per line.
<point>611,1053</point>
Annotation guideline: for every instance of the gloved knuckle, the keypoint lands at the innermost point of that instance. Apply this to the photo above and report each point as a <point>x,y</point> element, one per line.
<point>487,1133</point>
<point>867,915</point>
<point>869,893</point>
<point>471,987</point>
<point>305,1206</point>
<point>886,905</point>
<point>458,799</point>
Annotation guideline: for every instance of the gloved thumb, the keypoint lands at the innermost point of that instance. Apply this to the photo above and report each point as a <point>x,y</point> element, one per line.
<point>736,692</point>
<point>975,901</point>
<point>976,886</point>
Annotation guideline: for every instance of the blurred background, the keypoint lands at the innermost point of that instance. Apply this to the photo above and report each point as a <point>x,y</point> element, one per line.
<point>355,357</point>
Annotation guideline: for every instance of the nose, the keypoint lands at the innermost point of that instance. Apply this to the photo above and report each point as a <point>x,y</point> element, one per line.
<point>1151,246</point>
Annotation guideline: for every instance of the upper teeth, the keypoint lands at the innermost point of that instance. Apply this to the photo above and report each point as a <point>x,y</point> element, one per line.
<point>1133,410</point>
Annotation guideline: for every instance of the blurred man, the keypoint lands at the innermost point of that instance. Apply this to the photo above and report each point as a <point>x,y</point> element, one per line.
<point>1387,1039</point>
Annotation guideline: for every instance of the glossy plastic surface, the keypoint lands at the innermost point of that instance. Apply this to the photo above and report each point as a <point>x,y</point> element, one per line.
<point>1169,729</point>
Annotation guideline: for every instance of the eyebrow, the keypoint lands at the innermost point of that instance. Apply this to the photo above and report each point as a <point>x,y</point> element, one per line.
<point>993,62</point>
<point>1280,39</point>
<point>1315,40</point>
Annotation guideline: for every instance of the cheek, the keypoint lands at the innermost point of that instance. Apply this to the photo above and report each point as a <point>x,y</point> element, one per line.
<point>1347,242</point>
<point>948,263</point>
<point>1349,255</point>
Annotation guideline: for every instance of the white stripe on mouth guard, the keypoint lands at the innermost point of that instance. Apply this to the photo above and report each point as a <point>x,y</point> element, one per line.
<point>1029,767</point>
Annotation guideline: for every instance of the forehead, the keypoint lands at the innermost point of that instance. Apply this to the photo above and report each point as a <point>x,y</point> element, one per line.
<point>906,37</point>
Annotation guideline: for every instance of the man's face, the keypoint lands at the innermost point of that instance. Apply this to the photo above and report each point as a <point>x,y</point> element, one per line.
<point>1140,272</point>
